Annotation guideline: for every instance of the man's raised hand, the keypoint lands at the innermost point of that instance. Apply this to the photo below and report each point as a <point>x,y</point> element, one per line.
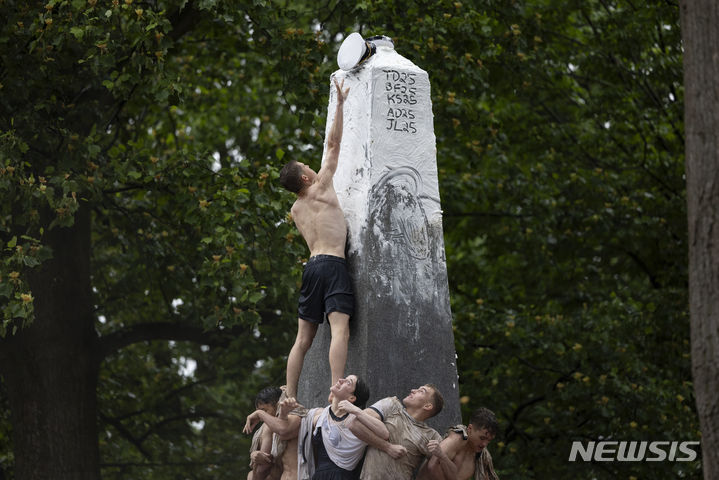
<point>286,406</point>
<point>349,407</point>
<point>434,448</point>
<point>341,95</point>
<point>252,420</point>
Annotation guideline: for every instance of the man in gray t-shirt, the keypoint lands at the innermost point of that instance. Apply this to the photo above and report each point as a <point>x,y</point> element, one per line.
<point>399,456</point>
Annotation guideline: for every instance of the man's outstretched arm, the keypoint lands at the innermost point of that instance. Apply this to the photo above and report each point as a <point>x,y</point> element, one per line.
<point>370,438</point>
<point>334,138</point>
<point>368,417</point>
<point>282,425</point>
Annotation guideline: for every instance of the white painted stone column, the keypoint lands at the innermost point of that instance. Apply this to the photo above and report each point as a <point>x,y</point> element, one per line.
<point>401,333</point>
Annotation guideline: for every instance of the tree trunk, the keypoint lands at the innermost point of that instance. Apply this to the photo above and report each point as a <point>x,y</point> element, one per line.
<point>50,369</point>
<point>699,20</point>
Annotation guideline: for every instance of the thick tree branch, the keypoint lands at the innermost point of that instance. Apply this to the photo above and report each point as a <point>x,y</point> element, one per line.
<point>168,396</point>
<point>164,331</point>
<point>157,426</point>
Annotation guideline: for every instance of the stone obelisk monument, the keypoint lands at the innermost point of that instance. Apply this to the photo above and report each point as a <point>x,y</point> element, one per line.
<point>401,334</point>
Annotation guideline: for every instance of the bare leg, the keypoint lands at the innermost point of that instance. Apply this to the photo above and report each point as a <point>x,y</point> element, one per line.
<point>305,334</point>
<point>340,327</point>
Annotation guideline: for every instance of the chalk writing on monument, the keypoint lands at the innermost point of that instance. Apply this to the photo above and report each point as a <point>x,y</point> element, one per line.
<point>400,90</point>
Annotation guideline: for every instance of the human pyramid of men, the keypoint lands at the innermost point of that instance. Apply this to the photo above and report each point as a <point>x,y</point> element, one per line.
<point>346,441</point>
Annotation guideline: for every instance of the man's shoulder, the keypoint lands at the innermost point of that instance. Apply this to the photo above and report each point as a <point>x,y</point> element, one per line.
<point>298,204</point>
<point>385,407</point>
<point>316,412</point>
<point>386,399</point>
<point>387,402</point>
<point>313,411</point>
<point>453,442</point>
<point>428,432</point>
<point>299,211</point>
<point>295,210</point>
<point>317,192</point>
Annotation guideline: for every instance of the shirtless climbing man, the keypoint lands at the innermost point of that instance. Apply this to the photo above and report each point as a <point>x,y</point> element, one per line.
<point>326,285</point>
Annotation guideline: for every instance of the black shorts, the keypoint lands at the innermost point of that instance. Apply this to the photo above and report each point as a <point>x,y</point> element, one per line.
<point>326,288</point>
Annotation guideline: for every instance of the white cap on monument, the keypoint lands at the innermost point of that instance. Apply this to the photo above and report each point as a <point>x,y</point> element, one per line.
<point>355,49</point>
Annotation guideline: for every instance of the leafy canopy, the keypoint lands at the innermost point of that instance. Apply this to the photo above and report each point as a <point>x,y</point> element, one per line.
<point>560,140</point>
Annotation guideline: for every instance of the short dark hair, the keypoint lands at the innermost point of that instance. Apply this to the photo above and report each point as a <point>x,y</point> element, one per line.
<point>485,418</point>
<point>291,176</point>
<point>437,399</point>
<point>268,395</point>
<point>361,393</point>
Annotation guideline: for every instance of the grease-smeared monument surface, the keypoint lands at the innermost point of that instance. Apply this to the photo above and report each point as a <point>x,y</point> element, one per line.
<point>401,333</point>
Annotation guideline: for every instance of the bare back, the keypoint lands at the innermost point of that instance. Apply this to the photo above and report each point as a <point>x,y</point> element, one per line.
<point>317,212</point>
<point>289,460</point>
<point>320,220</point>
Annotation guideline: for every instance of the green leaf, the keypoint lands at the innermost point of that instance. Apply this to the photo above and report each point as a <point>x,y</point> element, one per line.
<point>77,32</point>
<point>30,261</point>
<point>256,296</point>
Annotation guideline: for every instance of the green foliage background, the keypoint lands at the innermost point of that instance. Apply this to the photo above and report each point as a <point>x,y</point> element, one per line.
<point>560,151</point>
